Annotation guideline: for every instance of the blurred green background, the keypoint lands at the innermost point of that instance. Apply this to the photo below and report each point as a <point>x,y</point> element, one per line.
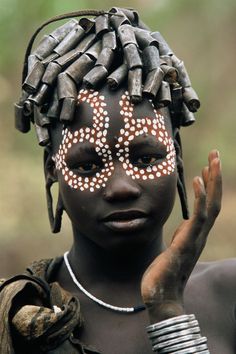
<point>200,32</point>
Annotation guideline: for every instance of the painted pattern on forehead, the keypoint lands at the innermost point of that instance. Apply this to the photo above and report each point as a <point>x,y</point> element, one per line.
<point>97,136</point>
<point>138,127</point>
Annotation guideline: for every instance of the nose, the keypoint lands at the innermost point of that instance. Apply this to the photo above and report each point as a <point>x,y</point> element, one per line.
<point>120,186</point>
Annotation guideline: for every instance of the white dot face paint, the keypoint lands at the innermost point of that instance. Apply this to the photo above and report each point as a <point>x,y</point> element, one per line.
<point>97,137</point>
<point>138,127</point>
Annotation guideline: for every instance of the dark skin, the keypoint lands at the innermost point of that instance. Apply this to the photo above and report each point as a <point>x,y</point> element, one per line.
<point>131,265</point>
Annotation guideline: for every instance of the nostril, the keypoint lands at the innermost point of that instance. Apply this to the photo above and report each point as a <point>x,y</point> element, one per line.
<point>121,190</point>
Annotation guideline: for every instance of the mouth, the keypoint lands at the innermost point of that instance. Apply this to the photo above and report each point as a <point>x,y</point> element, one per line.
<point>125,221</point>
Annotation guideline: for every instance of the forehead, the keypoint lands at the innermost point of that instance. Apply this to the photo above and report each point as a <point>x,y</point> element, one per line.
<point>112,106</point>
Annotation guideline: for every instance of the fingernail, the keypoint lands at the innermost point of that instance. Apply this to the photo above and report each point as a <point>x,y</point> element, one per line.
<point>200,181</point>
<point>217,154</point>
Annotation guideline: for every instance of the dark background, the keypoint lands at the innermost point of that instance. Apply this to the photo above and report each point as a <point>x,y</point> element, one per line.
<point>200,32</point>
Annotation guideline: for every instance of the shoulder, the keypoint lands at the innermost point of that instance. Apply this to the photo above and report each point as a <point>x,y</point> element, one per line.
<point>216,280</point>
<point>216,273</point>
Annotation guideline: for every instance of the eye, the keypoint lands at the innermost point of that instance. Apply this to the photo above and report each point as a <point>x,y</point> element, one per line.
<point>87,167</point>
<point>147,160</point>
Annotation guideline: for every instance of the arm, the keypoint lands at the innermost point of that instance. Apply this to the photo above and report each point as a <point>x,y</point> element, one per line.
<point>164,281</point>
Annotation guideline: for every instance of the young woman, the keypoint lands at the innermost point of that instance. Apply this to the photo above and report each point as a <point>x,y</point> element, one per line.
<point>116,155</point>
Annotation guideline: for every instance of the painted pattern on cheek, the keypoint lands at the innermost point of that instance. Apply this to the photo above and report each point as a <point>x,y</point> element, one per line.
<point>96,136</point>
<point>141,126</point>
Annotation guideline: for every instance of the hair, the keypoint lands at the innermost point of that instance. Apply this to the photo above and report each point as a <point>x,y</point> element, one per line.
<point>114,48</point>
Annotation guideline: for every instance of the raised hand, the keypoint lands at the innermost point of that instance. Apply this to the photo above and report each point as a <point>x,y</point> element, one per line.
<point>164,281</point>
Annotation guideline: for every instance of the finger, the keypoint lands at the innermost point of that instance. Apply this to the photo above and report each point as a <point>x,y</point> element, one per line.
<point>205,172</point>
<point>214,191</point>
<point>205,175</point>
<point>212,155</point>
<point>199,211</point>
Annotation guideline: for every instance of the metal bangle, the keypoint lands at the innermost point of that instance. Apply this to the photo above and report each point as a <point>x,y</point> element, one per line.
<point>174,328</point>
<point>185,332</point>
<point>170,321</point>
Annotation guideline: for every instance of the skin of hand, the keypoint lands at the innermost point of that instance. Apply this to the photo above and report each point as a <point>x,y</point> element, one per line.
<point>164,281</point>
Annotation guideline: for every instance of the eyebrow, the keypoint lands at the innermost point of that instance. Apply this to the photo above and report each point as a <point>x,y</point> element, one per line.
<point>82,148</point>
<point>150,142</point>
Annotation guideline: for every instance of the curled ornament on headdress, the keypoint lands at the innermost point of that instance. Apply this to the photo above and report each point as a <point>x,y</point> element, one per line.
<point>111,48</point>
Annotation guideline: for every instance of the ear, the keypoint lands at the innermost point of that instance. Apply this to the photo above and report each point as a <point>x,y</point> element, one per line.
<point>50,172</point>
<point>50,178</point>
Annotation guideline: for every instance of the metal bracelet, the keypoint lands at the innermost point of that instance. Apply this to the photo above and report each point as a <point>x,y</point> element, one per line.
<point>179,335</point>
<point>170,321</point>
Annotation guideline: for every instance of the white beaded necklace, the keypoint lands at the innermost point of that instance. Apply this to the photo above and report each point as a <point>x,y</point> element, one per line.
<point>92,297</point>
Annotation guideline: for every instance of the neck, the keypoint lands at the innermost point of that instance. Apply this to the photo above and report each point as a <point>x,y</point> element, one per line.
<point>94,264</point>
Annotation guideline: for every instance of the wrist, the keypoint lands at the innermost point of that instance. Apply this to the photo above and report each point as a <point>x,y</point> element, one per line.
<point>161,311</point>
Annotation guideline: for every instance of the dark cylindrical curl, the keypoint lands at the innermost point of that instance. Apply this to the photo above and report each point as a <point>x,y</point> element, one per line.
<point>45,47</point>
<point>184,79</point>
<point>116,78</point>
<point>86,43</point>
<point>73,54</point>
<point>131,14</point>
<point>22,122</point>
<point>166,59</point>
<point>51,73</point>
<point>109,40</point>
<point>132,56</point>
<point>187,116</point>
<point>176,104</point>
<point>34,77</point>
<point>50,58</point>
<point>95,76</point>
<point>28,108</point>
<point>70,41</point>
<point>105,58</point>
<point>191,99</point>
<point>24,96</point>
<point>87,24</point>
<point>101,25</point>
<point>170,73</point>
<point>144,38</point>
<point>117,21</point>
<point>164,48</point>
<point>40,118</point>
<point>68,58</point>
<point>68,109</point>
<point>151,59</point>
<point>54,106</point>
<point>32,59</point>
<point>80,68</point>
<point>66,86</point>
<point>42,135</point>
<point>135,85</point>
<point>163,97</point>
<point>40,95</point>
<point>126,35</point>
<point>60,32</point>
<point>153,82</point>
<point>94,51</point>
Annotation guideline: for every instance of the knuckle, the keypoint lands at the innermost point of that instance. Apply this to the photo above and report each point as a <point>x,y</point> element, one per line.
<point>201,216</point>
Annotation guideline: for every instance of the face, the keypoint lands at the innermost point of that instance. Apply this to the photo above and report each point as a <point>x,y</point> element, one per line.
<point>116,169</point>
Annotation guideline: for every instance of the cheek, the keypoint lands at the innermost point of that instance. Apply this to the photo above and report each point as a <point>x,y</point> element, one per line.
<point>163,194</point>
<point>79,205</point>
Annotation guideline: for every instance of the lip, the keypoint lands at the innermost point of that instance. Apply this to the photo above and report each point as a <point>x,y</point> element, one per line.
<point>125,221</point>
